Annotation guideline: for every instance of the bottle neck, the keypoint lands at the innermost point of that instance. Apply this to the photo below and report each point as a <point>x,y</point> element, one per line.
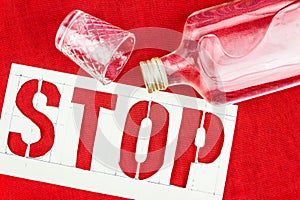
<point>169,70</point>
<point>180,68</point>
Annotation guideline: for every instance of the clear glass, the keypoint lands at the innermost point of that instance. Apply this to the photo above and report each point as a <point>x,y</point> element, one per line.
<point>234,52</point>
<point>98,47</point>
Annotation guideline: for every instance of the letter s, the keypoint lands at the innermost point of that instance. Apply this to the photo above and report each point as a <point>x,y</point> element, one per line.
<point>24,103</point>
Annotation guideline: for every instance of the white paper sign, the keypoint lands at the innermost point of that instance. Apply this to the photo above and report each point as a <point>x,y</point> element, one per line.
<point>47,131</point>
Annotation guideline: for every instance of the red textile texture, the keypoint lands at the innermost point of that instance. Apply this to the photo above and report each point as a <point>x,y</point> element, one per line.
<point>265,157</point>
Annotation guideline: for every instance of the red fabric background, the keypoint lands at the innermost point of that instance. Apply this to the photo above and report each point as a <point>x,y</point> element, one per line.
<point>265,158</point>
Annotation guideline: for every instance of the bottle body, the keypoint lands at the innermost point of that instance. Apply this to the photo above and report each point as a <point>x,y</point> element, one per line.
<point>238,51</point>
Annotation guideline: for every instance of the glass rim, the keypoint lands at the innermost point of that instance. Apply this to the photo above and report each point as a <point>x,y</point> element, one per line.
<point>128,36</point>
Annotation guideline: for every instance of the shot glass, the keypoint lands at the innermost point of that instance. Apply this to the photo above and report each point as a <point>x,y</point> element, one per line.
<point>101,49</point>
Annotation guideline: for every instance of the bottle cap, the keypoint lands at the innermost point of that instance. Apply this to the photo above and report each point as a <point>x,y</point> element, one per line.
<point>154,74</point>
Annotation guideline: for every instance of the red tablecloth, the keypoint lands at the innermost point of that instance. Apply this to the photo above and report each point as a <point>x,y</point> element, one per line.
<point>265,157</point>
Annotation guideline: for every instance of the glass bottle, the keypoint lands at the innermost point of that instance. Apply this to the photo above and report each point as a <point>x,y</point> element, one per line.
<point>233,52</point>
